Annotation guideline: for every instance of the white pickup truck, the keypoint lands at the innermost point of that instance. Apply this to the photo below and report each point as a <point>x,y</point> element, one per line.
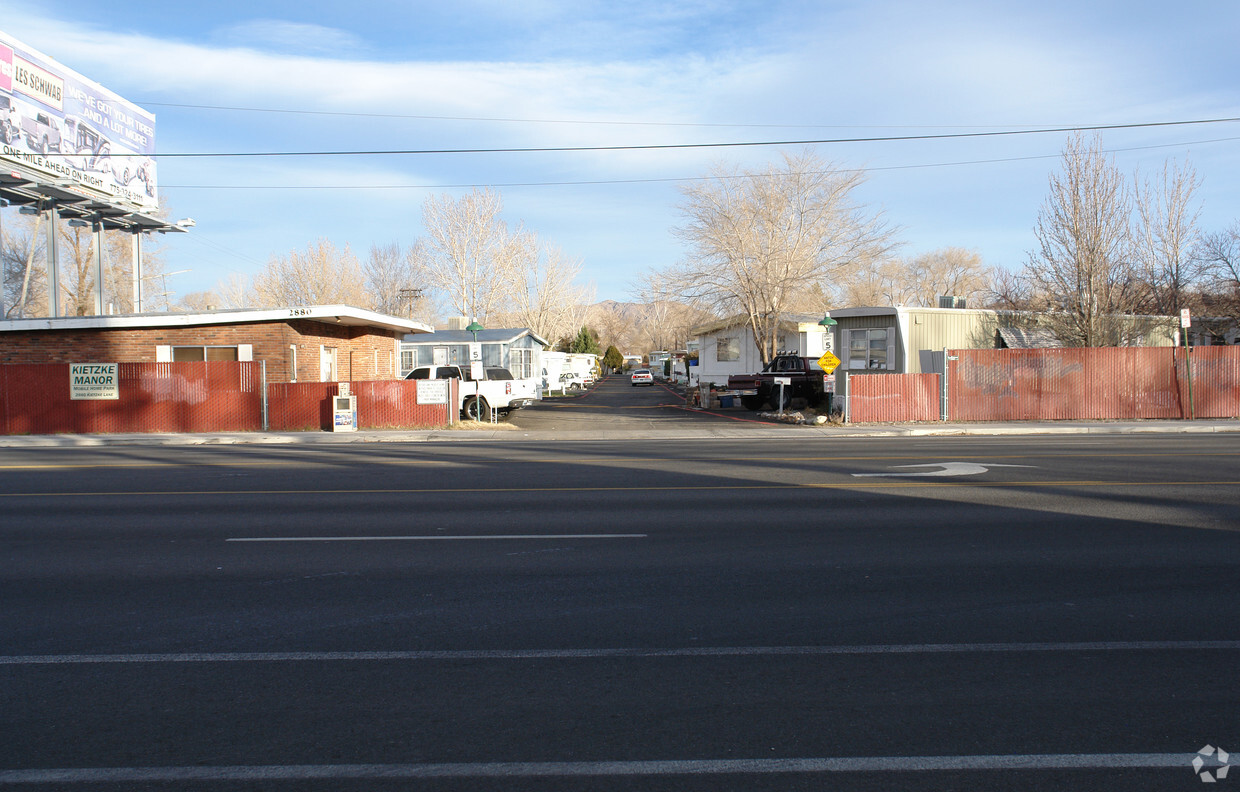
<point>499,391</point>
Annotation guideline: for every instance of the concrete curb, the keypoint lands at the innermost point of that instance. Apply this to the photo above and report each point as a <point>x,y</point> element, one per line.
<point>717,432</point>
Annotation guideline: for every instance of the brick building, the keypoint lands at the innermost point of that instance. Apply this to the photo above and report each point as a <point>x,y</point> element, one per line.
<point>318,343</point>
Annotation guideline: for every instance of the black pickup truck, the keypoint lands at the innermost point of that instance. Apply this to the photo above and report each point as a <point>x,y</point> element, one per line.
<point>805,381</point>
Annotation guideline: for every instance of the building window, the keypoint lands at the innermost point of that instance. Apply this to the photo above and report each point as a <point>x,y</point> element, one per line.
<point>867,349</point>
<point>189,354</point>
<point>727,349</point>
<point>521,363</point>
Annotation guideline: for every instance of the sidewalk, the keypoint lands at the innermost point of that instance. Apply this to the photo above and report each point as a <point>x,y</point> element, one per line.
<point>712,431</point>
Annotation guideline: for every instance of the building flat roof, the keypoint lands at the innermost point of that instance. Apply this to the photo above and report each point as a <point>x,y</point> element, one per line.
<point>328,314</point>
<point>496,336</point>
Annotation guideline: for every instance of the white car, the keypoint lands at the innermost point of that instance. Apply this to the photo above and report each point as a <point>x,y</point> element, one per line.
<point>641,377</point>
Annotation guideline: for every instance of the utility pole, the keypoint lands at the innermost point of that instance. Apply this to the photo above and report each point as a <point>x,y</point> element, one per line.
<point>408,297</point>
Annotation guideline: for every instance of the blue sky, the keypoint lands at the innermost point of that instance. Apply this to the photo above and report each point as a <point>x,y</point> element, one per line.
<point>544,73</point>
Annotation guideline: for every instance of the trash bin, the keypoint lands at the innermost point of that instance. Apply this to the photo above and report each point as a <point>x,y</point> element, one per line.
<point>725,401</point>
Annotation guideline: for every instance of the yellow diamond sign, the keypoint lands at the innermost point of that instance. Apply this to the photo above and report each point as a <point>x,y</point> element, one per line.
<point>828,362</point>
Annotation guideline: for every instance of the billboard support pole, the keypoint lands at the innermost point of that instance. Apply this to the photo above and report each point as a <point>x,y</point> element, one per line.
<point>3,313</point>
<point>137,272</point>
<point>96,230</point>
<point>53,264</point>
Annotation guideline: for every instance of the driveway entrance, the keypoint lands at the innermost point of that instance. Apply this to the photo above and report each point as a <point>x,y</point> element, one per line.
<point>615,405</point>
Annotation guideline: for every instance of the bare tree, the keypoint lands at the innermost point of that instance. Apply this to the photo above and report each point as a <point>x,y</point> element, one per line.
<point>25,285</point>
<point>1083,260</point>
<point>469,254</point>
<point>79,272</point>
<point>951,271</point>
<point>199,301</point>
<point>1011,291</point>
<point>760,241</point>
<point>1220,254</point>
<point>615,324</point>
<point>1167,238</point>
<point>917,281</point>
<point>546,298</point>
<point>234,291</point>
<point>869,282</point>
<point>664,319</point>
<point>393,283</point>
<point>77,269</point>
<point>321,275</point>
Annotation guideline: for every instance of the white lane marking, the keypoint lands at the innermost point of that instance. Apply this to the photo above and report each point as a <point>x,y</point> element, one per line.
<point>638,653</point>
<point>849,764</point>
<point>946,469</point>
<point>429,538</point>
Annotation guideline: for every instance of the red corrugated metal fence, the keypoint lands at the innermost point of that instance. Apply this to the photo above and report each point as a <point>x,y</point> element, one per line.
<point>202,397</point>
<point>893,397</point>
<point>1093,384</point>
<point>153,397</point>
<point>1216,381</point>
<point>299,406</point>
<point>381,404</point>
<point>393,404</point>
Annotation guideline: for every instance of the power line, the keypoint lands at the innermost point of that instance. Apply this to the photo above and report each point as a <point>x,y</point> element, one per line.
<point>663,180</point>
<point>583,122</point>
<point>682,146</point>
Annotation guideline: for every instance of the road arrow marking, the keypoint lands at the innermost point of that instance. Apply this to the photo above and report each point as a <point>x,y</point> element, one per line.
<point>944,469</point>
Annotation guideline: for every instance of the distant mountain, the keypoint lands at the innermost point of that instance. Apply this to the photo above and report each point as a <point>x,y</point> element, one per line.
<point>629,310</point>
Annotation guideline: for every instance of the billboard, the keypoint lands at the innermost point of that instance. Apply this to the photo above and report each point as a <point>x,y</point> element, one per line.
<point>56,124</point>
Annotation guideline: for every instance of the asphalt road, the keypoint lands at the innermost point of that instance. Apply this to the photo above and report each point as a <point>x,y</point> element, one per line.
<point>621,406</point>
<point>942,613</point>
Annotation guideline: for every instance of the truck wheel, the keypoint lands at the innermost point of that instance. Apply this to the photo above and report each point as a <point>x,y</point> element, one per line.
<point>752,402</point>
<point>476,409</point>
<point>787,398</point>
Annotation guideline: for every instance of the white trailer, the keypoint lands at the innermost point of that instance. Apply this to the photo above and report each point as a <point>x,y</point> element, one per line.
<point>583,366</point>
<point>554,366</point>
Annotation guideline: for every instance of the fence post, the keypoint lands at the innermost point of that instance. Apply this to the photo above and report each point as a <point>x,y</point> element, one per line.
<point>264,369</point>
<point>943,388</point>
<point>1188,364</point>
<point>846,384</point>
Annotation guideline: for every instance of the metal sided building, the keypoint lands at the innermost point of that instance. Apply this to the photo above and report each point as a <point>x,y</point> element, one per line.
<point>727,347</point>
<point>889,340</point>
<point>903,340</point>
<point>518,350</point>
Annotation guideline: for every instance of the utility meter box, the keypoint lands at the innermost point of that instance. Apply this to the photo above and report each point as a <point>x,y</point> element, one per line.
<point>344,413</point>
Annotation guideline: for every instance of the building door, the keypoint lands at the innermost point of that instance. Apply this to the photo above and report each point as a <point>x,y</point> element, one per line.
<point>441,356</point>
<point>327,364</point>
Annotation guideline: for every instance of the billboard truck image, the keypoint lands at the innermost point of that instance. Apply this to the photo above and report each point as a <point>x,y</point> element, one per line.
<point>55,123</point>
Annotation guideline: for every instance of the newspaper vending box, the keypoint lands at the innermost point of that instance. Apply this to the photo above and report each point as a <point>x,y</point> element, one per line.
<point>344,413</point>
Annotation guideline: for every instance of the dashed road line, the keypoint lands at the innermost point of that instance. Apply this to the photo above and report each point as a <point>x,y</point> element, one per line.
<point>456,538</point>
<point>664,767</point>
<point>450,655</point>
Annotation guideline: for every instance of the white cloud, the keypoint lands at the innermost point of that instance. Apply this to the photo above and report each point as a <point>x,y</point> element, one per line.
<point>846,63</point>
<point>277,35</point>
